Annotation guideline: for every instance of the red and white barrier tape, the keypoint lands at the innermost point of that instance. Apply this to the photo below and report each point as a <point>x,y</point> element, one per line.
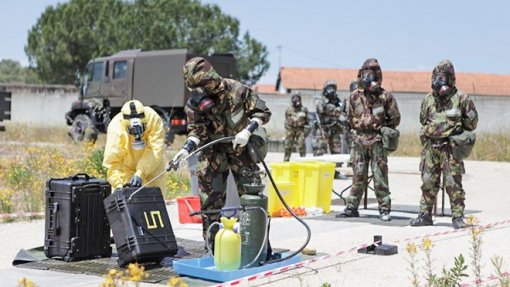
<point>478,282</point>
<point>275,271</point>
<point>20,214</point>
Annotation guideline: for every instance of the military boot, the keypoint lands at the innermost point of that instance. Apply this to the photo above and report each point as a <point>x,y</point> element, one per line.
<point>348,213</point>
<point>286,156</point>
<point>423,219</point>
<point>385,216</point>
<point>458,223</point>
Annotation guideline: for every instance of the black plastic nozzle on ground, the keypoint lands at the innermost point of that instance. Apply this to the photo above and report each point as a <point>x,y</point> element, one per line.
<point>378,248</point>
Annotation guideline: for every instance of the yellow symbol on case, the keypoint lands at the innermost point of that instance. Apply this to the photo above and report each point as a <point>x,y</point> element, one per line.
<point>154,223</point>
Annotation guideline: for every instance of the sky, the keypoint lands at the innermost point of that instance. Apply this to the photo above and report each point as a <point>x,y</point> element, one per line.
<point>404,35</point>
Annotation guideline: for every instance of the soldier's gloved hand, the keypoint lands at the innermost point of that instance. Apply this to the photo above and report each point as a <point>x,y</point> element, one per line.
<point>190,145</point>
<point>243,136</point>
<point>177,158</point>
<point>136,181</point>
<point>343,118</point>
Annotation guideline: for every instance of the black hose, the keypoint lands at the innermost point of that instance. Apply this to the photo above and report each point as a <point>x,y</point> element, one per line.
<point>308,231</point>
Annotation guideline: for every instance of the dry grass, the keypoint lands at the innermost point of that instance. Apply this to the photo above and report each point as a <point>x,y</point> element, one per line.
<point>489,146</point>
<point>29,156</point>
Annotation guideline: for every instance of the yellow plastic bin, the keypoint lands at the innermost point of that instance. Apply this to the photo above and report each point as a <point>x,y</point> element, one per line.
<point>318,184</point>
<point>303,169</point>
<point>289,193</point>
<point>284,171</point>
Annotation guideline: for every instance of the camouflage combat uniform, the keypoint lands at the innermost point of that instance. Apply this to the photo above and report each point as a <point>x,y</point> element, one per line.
<point>368,112</point>
<point>441,116</point>
<point>296,127</point>
<point>328,128</point>
<point>234,106</point>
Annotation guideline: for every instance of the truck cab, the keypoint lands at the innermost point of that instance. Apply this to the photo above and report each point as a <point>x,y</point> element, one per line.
<point>152,77</point>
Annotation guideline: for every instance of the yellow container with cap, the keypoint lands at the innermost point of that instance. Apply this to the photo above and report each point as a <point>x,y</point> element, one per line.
<point>227,246</point>
<point>317,181</point>
<point>289,193</point>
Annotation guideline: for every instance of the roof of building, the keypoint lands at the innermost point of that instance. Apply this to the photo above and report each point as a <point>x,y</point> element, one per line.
<point>394,81</point>
<point>264,89</point>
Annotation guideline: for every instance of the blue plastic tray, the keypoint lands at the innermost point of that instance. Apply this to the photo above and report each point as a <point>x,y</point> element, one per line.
<point>204,268</point>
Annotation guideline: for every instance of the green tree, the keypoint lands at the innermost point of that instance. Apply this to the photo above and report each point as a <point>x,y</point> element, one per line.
<point>12,72</point>
<point>65,37</point>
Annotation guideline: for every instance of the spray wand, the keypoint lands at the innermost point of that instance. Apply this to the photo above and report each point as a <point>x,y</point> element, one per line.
<point>174,165</point>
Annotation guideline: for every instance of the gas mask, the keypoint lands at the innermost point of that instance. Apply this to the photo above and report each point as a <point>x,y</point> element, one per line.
<point>369,82</point>
<point>329,91</point>
<point>199,98</point>
<point>440,85</point>
<point>136,128</point>
<point>296,101</point>
<point>136,125</point>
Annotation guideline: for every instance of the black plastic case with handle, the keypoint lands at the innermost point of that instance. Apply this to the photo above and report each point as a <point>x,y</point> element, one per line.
<point>76,225</point>
<point>140,225</point>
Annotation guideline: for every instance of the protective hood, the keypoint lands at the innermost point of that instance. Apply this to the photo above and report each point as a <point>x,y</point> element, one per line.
<point>371,64</point>
<point>446,68</point>
<point>198,72</point>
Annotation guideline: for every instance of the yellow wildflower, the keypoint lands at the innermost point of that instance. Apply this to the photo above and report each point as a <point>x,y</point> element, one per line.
<point>471,220</point>
<point>427,244</point>
<point>411,248</point>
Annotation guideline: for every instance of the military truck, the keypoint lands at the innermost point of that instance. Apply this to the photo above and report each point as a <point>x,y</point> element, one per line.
<point>152,77</point>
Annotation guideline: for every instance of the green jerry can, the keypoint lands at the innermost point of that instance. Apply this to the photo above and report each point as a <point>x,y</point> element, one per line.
<point>227,246</point>
<point>253,226</point>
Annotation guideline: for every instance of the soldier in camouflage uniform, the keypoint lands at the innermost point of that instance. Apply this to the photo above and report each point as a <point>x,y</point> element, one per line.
<point>370,108</point>
<point>331,113</point>
<point>446,111</point>
<point>296,127</point>
<point>220,107</point>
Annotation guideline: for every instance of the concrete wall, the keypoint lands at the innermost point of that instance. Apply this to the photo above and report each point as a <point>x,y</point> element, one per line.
<point>494,112</point>
<point>40,105</point>
<point>47,105</point>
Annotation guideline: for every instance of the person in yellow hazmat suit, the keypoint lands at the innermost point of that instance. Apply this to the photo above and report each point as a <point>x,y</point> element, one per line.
<point>135,142</point>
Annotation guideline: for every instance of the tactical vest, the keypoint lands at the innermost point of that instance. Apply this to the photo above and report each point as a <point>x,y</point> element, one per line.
<point>442,124</point>
<point>296,117</point>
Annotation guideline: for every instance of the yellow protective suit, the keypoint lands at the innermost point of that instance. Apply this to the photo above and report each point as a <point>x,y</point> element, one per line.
<point>123,162</point>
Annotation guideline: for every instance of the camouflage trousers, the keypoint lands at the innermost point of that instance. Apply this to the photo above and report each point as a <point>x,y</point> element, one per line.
<point>362,156</point>
<point>294,137</point>
<point>324,137</point>
<point>212,179</point>
<point>435,161</point>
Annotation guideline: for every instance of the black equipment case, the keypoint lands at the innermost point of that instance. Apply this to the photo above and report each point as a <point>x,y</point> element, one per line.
<point>76,226</point>
<point>140,225</point>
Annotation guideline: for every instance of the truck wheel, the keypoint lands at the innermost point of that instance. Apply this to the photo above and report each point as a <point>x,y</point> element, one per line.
<point>83,129</point>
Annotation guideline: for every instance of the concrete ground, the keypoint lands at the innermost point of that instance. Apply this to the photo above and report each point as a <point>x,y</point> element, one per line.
<point>487,198</point>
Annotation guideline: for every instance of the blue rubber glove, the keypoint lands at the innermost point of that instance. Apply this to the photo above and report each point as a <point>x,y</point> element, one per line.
<point>136,181</point>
